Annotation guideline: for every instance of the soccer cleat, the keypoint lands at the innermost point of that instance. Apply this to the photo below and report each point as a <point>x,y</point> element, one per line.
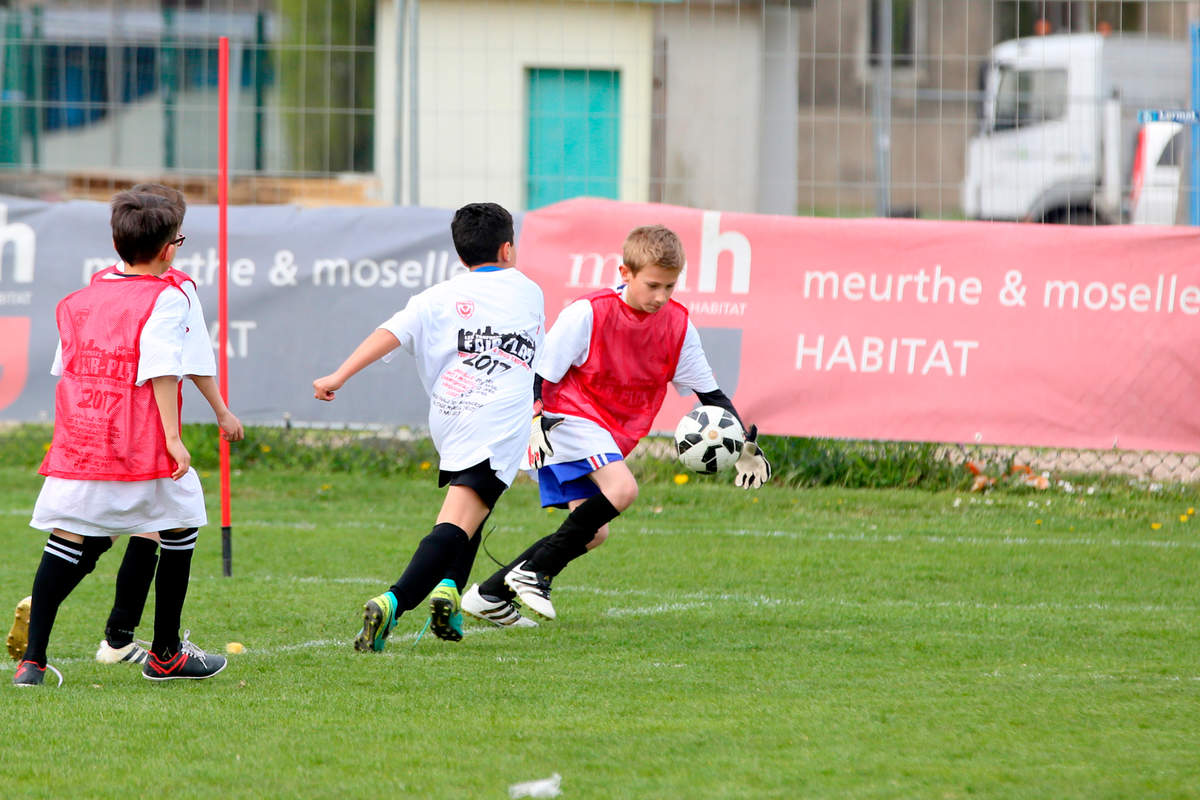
<point>496,610</point>
<point>533,588</point>
<point>445,611</point>
<point>132,653</point>
<point>379,617</point>
<point>30,674</point>
<point>188,663</point>
<point>18,636</point>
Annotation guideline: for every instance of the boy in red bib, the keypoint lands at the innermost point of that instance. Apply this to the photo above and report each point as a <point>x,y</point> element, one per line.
<point>602,379</point>
<point>117,464</point>
<point>136,572</point>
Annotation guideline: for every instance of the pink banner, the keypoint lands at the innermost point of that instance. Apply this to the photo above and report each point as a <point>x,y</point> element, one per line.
<point>915,330</point>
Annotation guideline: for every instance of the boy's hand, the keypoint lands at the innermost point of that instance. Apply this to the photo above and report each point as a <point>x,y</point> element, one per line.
<point>753,469</point>
<point>324,388</point>
<point>539,439</point>
<point>183,459</point>
<point>231,427</point>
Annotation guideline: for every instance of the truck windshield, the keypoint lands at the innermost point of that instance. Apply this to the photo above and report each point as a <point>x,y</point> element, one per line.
<point>1029,96</point>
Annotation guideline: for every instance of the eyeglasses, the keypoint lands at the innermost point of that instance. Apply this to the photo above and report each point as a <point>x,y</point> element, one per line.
<point>177,242</point>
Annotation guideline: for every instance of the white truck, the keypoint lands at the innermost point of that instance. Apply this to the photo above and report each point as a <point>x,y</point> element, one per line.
<point>1059,139</point>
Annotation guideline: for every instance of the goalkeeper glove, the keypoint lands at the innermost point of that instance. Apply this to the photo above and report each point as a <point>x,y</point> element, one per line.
<point>539,439</point>
<point>753,469</point>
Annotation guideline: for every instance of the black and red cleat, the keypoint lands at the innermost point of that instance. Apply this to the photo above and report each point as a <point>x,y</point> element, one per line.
<point>188,663</point>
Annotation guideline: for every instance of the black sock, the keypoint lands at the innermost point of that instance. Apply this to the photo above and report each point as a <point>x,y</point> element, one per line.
<point>64,564</point>
<point>571,539</point>
<point>495,586</point>
<point>170,589</point>
<point>435,555</point>
<point>133,586</point>
<point>460,570</point>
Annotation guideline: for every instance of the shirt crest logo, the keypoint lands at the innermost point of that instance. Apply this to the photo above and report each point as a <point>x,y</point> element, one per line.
<point>465,308</point>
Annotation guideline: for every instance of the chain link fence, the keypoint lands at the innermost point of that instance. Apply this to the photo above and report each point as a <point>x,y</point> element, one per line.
<point>810,107</point>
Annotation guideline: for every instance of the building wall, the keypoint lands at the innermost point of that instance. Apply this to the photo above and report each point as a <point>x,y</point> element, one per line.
<point>472,87</point>
<point>713,108</point>
<point>933,107</point>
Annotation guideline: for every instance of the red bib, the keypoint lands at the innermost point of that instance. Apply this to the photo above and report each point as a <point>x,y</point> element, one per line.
<point>175,276</point>
<point>632,357</point>
<point>105,427</point>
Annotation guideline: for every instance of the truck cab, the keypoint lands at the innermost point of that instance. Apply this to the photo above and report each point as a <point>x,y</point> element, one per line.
<point>1058,125</point>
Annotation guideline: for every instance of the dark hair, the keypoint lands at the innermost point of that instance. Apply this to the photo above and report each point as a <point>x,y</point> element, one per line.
<point>142,224</point>
<point>168,193</point>
<point>479,230</point>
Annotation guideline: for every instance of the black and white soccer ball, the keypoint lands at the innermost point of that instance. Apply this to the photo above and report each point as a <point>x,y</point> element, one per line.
<point>708,439</point>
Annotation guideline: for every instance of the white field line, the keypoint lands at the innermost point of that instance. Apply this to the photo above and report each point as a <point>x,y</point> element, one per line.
<point>810,536</point>
<point>885,538</point>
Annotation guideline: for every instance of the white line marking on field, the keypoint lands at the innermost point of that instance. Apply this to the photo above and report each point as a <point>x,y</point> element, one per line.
<point>664,608</point>
<point>865,538</point>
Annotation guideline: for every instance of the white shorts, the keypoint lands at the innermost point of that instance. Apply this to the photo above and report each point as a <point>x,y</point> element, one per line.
<point>577,438</point>
<point>114,508</point>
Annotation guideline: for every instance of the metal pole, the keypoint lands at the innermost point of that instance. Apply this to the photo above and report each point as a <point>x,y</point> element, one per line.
<point>168,56</point>
<point>882,109</point>
<point>1194,206</point>
<point>260,43</point>
<point>414,177</point>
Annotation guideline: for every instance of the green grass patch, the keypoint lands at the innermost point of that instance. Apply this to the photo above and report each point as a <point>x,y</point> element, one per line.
<point>822,642</point>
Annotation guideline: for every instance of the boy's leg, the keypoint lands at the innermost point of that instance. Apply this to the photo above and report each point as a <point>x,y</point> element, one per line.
<point>170,589</point>
<point>531,579</point>
<point>463,510</point>
<point>66,559</point>
<point>132,588</point>
<point>172,658</point>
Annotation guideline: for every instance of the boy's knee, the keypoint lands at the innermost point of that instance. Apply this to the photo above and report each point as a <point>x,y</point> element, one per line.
<point>93,548</point>
<point>599,539</point>
<point>623,495</point>
<point>182,539</point>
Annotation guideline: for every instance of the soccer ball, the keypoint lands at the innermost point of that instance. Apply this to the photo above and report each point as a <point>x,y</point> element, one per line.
<point>708,439</point>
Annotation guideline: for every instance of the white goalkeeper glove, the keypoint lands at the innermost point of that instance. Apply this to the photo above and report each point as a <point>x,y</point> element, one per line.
<point>753,469</point>
<point>539,439</point>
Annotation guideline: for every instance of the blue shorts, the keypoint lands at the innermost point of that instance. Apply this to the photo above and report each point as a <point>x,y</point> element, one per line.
<point>559,484</point>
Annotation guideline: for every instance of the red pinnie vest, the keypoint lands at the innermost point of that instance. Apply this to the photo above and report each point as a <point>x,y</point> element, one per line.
<point>106,427</point>
<point>175,276</point>
<point>632,357</point>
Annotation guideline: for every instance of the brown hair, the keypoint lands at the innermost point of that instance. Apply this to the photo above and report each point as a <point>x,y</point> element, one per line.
<point>168,193</point>
<point>142,224</point>
<point>653,245</point>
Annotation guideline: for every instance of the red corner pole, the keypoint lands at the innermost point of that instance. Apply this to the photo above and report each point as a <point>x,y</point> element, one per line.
<point>223,288</point>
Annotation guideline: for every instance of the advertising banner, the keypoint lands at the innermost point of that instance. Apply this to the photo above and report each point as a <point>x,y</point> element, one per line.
<point>916,330</point>
<point>867,329</point>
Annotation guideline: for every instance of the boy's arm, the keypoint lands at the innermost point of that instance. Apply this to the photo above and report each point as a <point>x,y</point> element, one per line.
<point>166,397</point>
<point>374,347</point>
<point>230,425</point>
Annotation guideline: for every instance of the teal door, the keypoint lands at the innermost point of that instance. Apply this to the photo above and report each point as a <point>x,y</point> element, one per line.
<point>574,134</point>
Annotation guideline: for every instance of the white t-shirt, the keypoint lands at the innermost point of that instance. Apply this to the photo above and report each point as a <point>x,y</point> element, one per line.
<point>197,358</point>
<point>107,508</point>
<point>567,345</point>
<point>476,338</point>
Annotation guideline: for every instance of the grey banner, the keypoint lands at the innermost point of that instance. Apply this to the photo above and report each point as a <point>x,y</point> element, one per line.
<point>305,287</point>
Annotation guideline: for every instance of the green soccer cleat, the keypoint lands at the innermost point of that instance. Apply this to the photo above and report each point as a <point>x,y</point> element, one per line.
<point>445,612</point>
<point>379,617</point>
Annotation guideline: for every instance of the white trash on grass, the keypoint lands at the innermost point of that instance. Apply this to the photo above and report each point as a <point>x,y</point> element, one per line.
<point>546,787</point>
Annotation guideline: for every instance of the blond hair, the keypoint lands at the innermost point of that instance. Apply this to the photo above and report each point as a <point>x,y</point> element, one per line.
<point>655,245</point>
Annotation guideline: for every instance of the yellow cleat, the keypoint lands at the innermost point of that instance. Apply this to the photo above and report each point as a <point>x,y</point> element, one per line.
<point>18,636</point>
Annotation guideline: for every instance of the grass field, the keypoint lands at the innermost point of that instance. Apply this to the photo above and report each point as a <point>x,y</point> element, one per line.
<point>784,643</point>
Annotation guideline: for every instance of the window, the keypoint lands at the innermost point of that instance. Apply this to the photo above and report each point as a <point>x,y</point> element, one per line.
<point>1030,97</point>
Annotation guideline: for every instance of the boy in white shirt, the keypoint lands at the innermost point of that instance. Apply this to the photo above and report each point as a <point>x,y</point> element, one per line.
<point>601,381</point>
<point>475,338</point>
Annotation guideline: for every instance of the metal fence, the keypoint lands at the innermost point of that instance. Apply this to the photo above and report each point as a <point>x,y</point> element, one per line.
<point>811,107</point>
